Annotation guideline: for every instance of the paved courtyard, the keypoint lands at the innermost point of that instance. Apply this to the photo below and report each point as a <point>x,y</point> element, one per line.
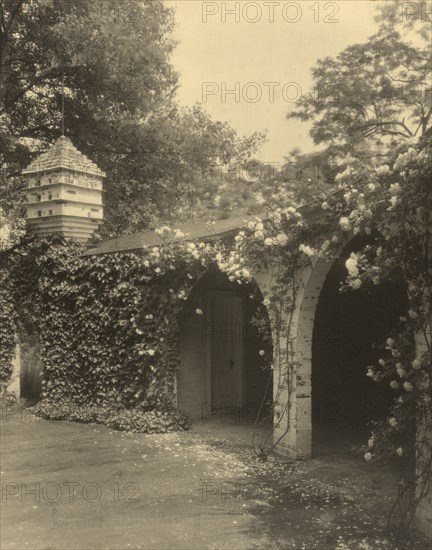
<point>74,486</point>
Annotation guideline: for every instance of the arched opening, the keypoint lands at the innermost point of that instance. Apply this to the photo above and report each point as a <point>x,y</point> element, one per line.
<point>30,363</point>
<point>348,330</point>
<point>225,352</point>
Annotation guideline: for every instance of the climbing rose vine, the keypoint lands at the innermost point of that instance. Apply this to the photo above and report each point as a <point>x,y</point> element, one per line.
<point>109,324</point>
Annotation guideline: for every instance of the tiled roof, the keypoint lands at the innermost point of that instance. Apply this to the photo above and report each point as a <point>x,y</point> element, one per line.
<point>192,231</point>
<point>63,154</point>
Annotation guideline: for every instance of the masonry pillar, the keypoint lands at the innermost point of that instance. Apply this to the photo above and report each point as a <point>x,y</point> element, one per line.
<point>311,282</point>
<point>292,392</point>
<point>284,379</point>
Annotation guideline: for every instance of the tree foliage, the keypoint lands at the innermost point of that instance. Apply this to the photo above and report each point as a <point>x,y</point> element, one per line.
<point>107,66</point>
<point>375,94</point>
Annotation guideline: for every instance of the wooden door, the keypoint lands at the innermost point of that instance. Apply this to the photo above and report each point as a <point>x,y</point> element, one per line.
<point>226,349</point>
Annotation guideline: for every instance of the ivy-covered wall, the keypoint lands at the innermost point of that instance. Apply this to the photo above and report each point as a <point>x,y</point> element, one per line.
<point>7,327</point>
<point>108,325</point>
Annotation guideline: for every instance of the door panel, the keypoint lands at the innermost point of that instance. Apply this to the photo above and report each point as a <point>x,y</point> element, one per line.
<point>226,353</point>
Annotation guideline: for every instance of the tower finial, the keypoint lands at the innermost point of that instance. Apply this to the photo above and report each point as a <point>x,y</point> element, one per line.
<point>63,114</point>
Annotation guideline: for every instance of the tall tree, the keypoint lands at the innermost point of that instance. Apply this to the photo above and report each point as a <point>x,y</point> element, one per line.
<point>107,66</point>
<point>377,94</point>
<point>106,56</point>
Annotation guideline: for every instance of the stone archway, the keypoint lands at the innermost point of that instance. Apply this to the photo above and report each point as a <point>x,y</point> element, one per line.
<point>312,326</point>
<point>221,371</point>
<point>349,330</point>
<point>299,439</point>
<point>312,281</point>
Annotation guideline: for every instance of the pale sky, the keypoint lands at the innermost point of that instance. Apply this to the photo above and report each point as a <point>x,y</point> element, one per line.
<point>215,52</point>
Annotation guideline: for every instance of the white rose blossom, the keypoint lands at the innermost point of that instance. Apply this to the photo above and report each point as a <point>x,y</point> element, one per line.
<point>394,201</point>
<point>393,422</point>
<point>383,169</point>
<point>309,251</point>
<point>416,364</point>
<point>408,387</point>
<point>400,370</point>
<point>351,265</point>
<point>356,284</point>
<point>282,239</point>
<point>345,224</point>
<point>395,189</point>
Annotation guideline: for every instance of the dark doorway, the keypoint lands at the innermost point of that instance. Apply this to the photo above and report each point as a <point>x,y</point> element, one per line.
<point>224,360</point>
<point>31,367</point>
<point>349,329</point>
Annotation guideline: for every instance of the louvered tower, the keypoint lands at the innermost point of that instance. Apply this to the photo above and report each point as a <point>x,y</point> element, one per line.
<point>64,192</point>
